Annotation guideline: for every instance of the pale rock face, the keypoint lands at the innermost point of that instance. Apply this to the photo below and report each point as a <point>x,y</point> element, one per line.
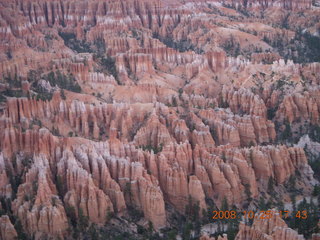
<point>306,142</point>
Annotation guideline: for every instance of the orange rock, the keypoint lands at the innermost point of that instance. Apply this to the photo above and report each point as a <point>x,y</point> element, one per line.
<point>46,215</point>
<point>81,193</point>
<point>196,192</point>
<point>179,119</point>
<point>268,229</point>
<point>299,106</point>
<point>5,186</point>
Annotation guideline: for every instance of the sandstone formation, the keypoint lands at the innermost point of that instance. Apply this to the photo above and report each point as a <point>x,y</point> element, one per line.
<point>131,176</point>
<point>108,176</point>
<point>300,106</point>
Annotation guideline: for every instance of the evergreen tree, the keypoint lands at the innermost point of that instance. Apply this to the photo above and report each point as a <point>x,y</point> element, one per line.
<point>224,205</point>
<point>287,134</point>
<point>62,95</point>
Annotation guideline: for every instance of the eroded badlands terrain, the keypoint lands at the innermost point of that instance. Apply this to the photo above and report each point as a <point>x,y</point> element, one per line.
<point>135,119</point>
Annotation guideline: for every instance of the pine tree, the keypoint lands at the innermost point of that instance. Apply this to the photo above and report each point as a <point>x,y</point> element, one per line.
<point>225,205</point>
